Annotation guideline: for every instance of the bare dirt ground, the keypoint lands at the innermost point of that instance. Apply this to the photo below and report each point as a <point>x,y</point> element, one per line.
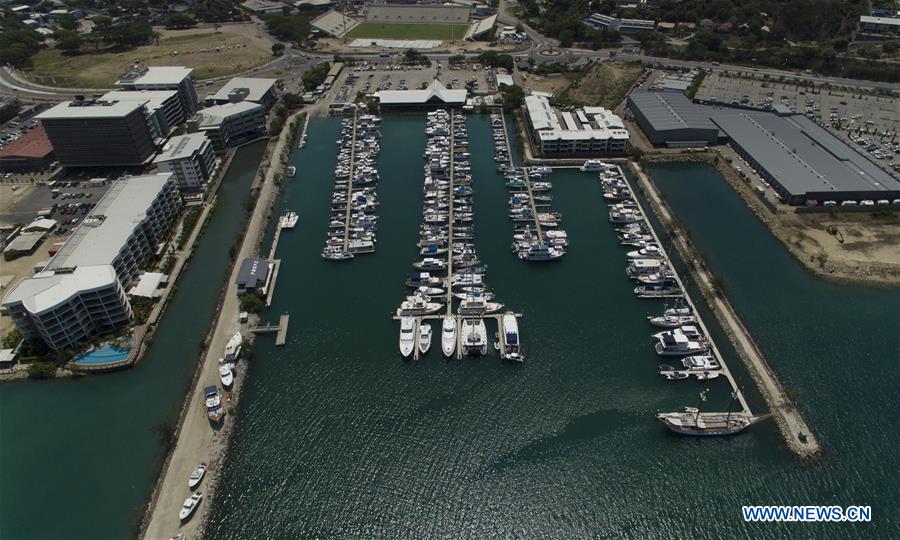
<point>605,85</point>
<point>552,85</point>
<point>231,49</point>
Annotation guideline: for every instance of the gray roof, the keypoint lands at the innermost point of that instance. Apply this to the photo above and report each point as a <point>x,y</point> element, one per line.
<point>255,88</point>
<point>101,235</point>
<point>155,75</point>
<point>152,99</point>
<point>88,109</point>
<point>800,154</point>
<point>253,272</point>
<point>182,146</point>
<point>670,110</point>
<point>215,115</point>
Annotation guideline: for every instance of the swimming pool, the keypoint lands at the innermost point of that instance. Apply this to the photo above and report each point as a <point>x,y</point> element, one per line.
<point>105,354</point>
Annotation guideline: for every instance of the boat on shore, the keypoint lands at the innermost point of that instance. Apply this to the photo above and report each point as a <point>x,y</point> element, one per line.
<point>233,348</point>
<point>226,375</point>
<point>190,506</point>
<point>197,476</point>
<point>448,336</point>
<point>214,410</point>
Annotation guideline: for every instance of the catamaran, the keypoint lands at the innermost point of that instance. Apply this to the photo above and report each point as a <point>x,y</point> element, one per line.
<point>474,337</point>
<point>289,220</point>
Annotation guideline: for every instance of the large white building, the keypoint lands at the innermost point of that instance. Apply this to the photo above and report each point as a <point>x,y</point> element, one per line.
<point>190,158</point>
<point>81,290</point>
<point>230,124</point>
<point>590,131</point>
<point>163,78</point>
<point>163,108</point>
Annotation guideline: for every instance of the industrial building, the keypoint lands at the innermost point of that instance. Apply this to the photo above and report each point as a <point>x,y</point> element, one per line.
<point>163,108</point>
<point>99,133</point>
<point>436,96</point>
<point>670,119</point>
<point>261,91</point>
<point>586,132</point>
<point>230,124</point>
<point>30,152</point>
<point>163,78</point>
<point>190,158</point>
<point>801,160</point>
<point>81,290</point>
<point>254,276</point>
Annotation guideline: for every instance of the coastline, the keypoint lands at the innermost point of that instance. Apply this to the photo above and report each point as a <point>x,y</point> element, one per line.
<point>806,249</point>
<point>194,439</point>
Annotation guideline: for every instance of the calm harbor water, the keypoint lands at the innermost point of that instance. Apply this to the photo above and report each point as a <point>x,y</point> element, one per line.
<point>79,457</point>
<point>337,436</point>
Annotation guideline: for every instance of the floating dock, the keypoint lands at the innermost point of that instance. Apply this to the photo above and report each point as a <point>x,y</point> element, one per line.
<point>276,265</point>
<point>796,432</point>
<point>282,329</point>
<point>350,183</point>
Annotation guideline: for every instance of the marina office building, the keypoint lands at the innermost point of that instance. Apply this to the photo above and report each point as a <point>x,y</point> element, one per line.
<point>229,124</point>
<point>435,96</point>
<point>261,91</point>
<point>87,133</point>
<point>586,132</point>
<point>81,290</point>
<point>190,158</point>
<point>176,78</point>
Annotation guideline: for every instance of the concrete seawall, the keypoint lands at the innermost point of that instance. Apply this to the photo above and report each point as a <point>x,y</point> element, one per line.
<point>796,432</point>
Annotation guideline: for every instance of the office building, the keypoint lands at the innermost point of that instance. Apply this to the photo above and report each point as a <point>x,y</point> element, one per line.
<point>87,133</point>
<point>586,132</point>
<point>163,78</point>
<point>230,124</point>
<point>261,91</point>
<point>190,158</point>
<point>163,108</point>
<point>81,290</point>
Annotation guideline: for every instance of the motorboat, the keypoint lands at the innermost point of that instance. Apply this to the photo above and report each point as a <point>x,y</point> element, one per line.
<point>643,267</point>
<point>512,347</point>
<point>418,304</point>
<point>540,252</point>
<point>474,337</point>
<point>476,304</point>
<point>407,336</point>
<point>233,347</point>
<point>647,252</point>
<point>658,291</point>
<point>595,165</point>
<point>190,505</point>
<point>431,291</point>
<point>424,338</point>
<point>214,409</point>
<point>226,376</point>
<point>673,375</point>
<point>431,264</point>
<point>692,332</point>
<point>289,220</point>
<point>663,277</point>
<point>448,336</point>
<point>197,476</point>
<point>701,362</point>
<point>336,254</point>
<point>671,321</point>
<point>291,171</point>
<point>706,375</point>
<point>422,279</point>
<point>678,345</point>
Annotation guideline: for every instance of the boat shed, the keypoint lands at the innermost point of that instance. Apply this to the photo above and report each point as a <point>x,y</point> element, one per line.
<point>436,96</point>
<point>253,276</point>
<point>670,119</point>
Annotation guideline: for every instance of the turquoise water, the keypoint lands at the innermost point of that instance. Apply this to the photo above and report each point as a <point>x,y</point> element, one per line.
<point>79,457</point>
<point>105,354</point>
<point>337,436</point>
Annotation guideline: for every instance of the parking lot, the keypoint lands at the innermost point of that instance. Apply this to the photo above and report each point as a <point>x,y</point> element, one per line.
<point>374,77</point>
<point>870,123</point>
<point>70,202</point>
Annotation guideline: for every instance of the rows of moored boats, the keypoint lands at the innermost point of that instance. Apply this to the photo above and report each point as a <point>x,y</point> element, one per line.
<point>449,271</point>
<point>353,223</point>
<point>536,236</point>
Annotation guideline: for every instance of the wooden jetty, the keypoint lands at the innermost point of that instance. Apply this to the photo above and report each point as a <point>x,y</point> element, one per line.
<point>271,293</point>
<point>282,329</point>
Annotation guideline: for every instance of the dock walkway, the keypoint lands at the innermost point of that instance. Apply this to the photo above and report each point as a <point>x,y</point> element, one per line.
<point>349,211</point>
<point>794,429</point>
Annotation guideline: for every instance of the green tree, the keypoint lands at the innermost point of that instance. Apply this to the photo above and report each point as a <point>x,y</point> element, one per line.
<point>66,21</point>
<point>513,97</point>
<point>68,41</point>
<point>180,20</point>
<point>278,48</point>
<point>251,303</point>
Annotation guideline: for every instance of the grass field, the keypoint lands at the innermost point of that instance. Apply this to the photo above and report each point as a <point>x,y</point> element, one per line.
<point>211,54</point>
<point>443,32</point>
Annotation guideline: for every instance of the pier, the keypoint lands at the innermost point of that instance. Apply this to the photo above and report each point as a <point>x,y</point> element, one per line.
<point>350,183</point>
<point>270,294</point>
<point>794,429</point>
<point>269,328</point>
<point>713,349</point>
<point>534,212</point>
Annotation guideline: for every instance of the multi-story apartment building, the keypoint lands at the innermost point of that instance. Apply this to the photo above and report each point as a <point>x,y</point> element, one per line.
<point>80,291</point>
<point>87,133</point>
<point>164,111</point>
<point>229,124</point>
<point>163,78</point>
<point>190,158</point>
<point>586,132</point>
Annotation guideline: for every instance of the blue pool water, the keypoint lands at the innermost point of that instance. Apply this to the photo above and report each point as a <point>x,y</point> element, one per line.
<point>105,354</point>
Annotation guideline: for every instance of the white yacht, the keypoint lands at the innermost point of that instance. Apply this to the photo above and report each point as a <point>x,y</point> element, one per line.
<point>476,304</point>
<point>197,476</point>
<point>226,375</point>
<point>690,331</point>
<point>671,321</point>
<point>474,337</point>
<point>214,409</point>
<point>424,338</point>
<point>512,348</point>
<point>541,252</point>
<point>700,362</point>
<point>432,264</point>
<point>595,165</point>
<point>289,220</point>
<point>233,348</point>
<point>679,345</point>
<point>647,252</point>
<point>448,336</point>
<point>189,506</point>
<point>418,304</point>
<point>291,171</point>
<point>407,336</point>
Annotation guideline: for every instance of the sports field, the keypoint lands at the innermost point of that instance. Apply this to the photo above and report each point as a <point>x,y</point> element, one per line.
<point>409,31</point>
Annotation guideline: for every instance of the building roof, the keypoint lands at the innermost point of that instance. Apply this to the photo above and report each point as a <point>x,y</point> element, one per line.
<point>435,90</point>
<point>255,89</point>
<point>148,285</point>
<point>889,21</point>
<point>253,272</point>
<point>41,224</point>
<point>670,110</point>
<point>262,6</point>
<point>102,233</point>
<point>25,241</point>
<point>155,75</point>
<point>800,154</point>
<point>479,28</point>
<point>314,3</point>
<point>214,116</point>
<point>546,122</point>
<point>334,23</point>
<point>46,290</point>
<point>182,146</point>
<point>90,109</point>
<point>503,78</point>
<point>152,99</point>
<point>33,144</point>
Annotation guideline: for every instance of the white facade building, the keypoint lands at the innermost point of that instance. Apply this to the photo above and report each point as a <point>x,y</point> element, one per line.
<point>190,158</point>
<point>591,131</point>
<point>163,78</point>
<point>230,124</point>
